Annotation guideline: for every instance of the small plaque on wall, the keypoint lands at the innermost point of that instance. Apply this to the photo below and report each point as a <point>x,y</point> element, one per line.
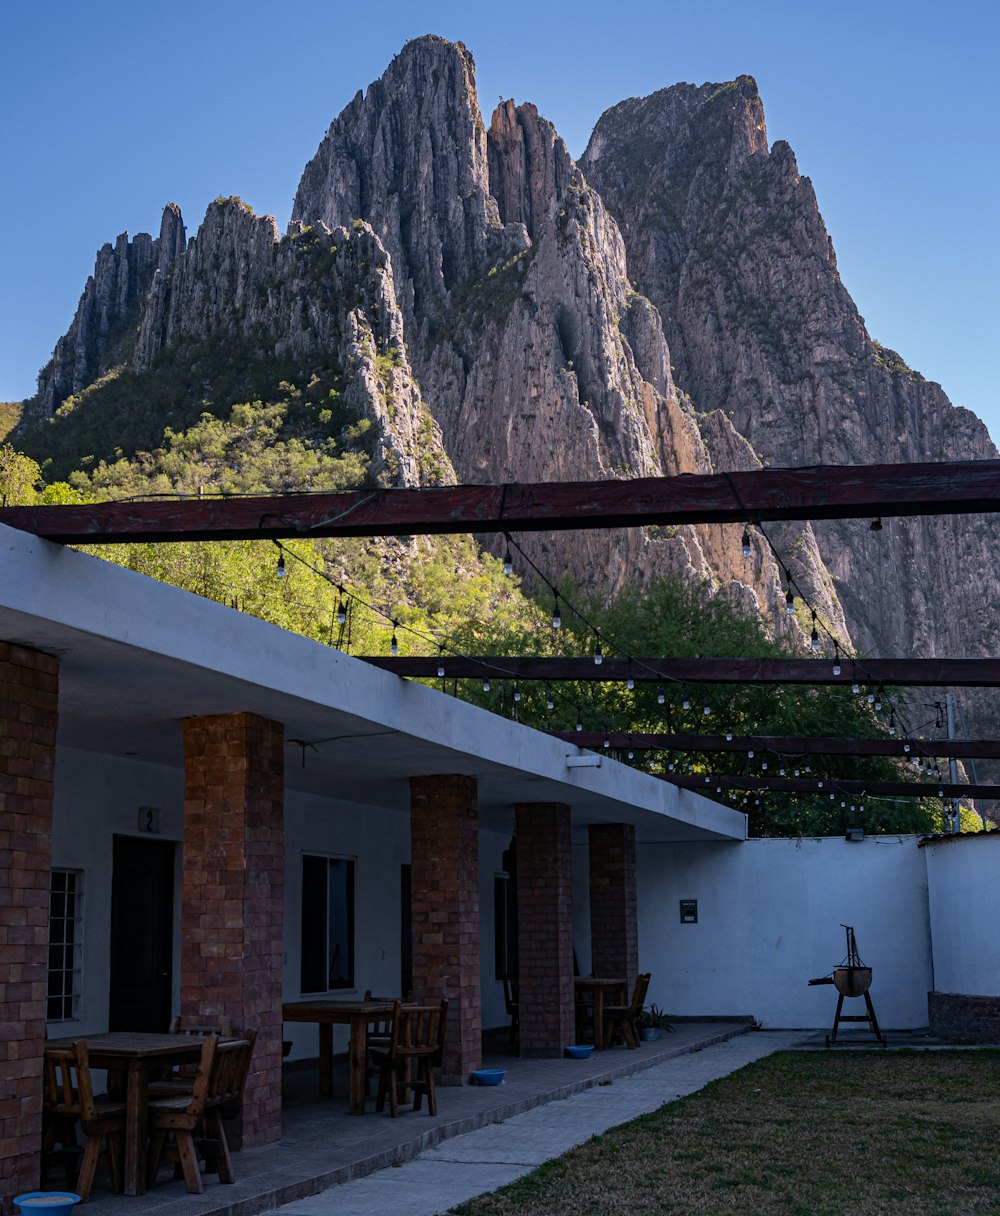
<point>689,911</point>
<point>149,819</point>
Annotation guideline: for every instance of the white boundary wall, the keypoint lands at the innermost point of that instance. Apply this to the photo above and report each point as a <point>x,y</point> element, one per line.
<point>769,917</point>
<point>964,876</point>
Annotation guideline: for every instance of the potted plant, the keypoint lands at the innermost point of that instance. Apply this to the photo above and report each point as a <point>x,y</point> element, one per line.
<point>652,1023</point>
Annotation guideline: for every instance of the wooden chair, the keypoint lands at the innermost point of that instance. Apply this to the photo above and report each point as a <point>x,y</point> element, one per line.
<point>180,1116</point>
<point>181,1025</point>
<point>196,1118</point>
<point>226,1087</point>
<point>67,1103</point>
<point>619,1020</point>
<point>378,1039</point>
<point>415,1049</point>
<point>178,1080</point>
<point>511,1000</point>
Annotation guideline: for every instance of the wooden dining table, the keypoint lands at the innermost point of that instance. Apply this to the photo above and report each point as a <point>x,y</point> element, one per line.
<point>596,987</point>
<point>134,1053</point>
<point>358,1015</point>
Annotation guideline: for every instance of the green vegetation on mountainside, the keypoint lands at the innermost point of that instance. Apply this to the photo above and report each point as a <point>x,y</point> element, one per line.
<point>10,416</point>
<point>124,413</point>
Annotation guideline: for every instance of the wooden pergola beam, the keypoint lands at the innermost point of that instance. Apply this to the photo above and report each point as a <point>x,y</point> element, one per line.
<point>822,787</point>
<point>964,673</point>
<point>782,745</point>
<point>815,492</point>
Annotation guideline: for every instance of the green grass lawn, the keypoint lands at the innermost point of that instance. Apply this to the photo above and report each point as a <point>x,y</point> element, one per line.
<point>811,1134</point>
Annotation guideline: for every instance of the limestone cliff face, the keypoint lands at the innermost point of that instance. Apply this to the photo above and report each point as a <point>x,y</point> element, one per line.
<point>105,321</point>
<point>538,359</point>
<point>322,299</point>
<point>725,237</point>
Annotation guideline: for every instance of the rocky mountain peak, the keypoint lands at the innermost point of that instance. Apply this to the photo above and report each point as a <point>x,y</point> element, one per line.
<point>530,166</point>
<point>409,157</point>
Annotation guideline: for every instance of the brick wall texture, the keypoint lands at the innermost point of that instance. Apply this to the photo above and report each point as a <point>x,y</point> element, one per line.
<point>29,689</point>
<point>232,898</point>
<point>444,845</point>
<point>545,928</point>
<point>964,1019</point>
<point>614,929</point>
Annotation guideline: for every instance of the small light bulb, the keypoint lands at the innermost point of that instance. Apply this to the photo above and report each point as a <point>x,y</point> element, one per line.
<point>781,772</point>
<point>630,683</point>
<point>394,643</point>
<point>486,684</point>
<point>906,748</point>
<point>836,669</point>
<point>892,726</point>
<point>819,785</point>
<point>556,618</point>
<point>440,669</point>
<point>579,722</point>
<point>598,653</point>
<point>797,772</point>
<point>746,543</point>
<point>686,704</point>
<point>763,765</point>
<point>671,766</point>
<point>517,693</point>
<point>660,696</point>
<point>855,688</point>
<point>750,753</point>
<point>607,741</point>
<point>549,701</point>
<point>729,736</point>
<point>789,603</point>
<point>707,710</point>
<point>631,754</point>
<point>878,704</point>
<point>814,640</point>
<point>871,698</point>
<point>281,571</point>
<point>342,613</point>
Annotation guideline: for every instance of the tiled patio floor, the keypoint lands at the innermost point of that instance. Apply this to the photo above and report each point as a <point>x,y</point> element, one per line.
<point>322,1145</point>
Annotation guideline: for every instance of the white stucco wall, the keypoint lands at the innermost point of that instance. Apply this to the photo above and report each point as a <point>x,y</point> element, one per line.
<point>769,917</point>
<point>964,895</point>
<point>97,798</point>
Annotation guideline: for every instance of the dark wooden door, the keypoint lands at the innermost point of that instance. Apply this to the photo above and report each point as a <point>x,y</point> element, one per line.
<point>142,906</point>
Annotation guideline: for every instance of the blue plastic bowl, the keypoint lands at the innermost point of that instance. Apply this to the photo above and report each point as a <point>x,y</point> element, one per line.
<point>582,1052</point>
<point>49,1202</point>
<point>489,1076</point>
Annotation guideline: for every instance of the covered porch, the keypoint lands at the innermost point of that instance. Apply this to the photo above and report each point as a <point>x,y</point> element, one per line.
<point>234,751</point>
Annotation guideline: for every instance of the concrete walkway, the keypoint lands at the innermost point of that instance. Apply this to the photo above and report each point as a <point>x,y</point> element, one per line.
<point>494,1155</point>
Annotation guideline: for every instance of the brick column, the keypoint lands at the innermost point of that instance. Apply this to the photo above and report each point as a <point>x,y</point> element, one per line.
<point>614,933</point>
<point>29,686</point>
<point>444,851</point>
<point>231,904</point>
<point>545,928</point>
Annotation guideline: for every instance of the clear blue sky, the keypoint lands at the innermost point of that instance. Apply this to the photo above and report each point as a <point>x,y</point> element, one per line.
<point>109,110</point>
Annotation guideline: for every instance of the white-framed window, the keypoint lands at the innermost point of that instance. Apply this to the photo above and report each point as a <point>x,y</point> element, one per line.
<point>327,935</point>
<point>63,989</point>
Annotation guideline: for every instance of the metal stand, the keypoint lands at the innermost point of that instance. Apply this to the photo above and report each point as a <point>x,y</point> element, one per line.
<point>868,1017</point>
